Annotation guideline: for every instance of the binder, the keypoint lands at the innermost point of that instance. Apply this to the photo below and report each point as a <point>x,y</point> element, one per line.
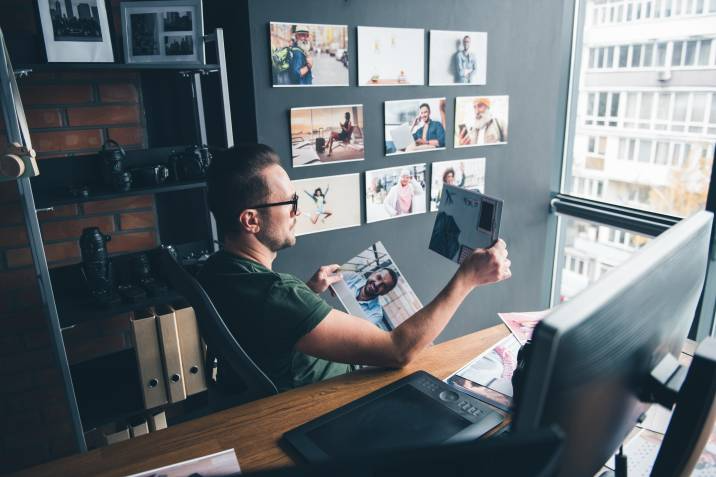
<point>157,421</point>
<point>149,360</point>
<point>169,339</point>
<point>115,437</point>
<point>139,429</point>
<point>192,351</point>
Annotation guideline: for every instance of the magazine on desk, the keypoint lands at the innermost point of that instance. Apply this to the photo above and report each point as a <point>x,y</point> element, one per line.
<point>221,464</point>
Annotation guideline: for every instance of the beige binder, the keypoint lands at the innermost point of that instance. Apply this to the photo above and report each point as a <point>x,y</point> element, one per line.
<point>192,351</point>
<point>157,422</point>
<point>169,339</point>
<point>149,360</point>
<point>115,437</point>
<point>139,429</point>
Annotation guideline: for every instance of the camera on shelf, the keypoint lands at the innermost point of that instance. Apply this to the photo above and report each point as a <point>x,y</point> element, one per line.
<point>115,174</point>
<point>150,175</point>
<point>190,164</point>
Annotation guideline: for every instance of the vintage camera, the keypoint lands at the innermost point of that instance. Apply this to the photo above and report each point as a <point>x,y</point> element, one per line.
<point>97,267</point>
<point>111,163</point>
<point>190,164</point>
<point>149,175</point>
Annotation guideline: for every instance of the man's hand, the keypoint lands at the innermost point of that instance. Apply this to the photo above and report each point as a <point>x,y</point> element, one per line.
<point>309,62</point>
<point>326,276</point>
<point>464,139</point>
<point>486,266</point>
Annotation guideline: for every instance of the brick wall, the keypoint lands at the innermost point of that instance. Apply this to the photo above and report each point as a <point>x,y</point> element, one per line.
<point>69,113</point>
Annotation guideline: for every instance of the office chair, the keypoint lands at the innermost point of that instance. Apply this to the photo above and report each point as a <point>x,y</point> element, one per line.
<point>221,343</point>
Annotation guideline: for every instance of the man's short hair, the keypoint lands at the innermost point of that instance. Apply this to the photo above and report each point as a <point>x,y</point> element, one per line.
<point>424,105</point>
<point>235,182</point>
<point>466,37</point>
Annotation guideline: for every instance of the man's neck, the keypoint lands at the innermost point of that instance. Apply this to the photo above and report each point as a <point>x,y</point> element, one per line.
<point>251,249</point>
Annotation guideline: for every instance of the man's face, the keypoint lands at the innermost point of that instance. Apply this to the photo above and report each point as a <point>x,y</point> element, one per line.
<point>378,283</point>
<point>424,114</point>
<point>278,223</point>
<point>404,180</point>
<point>466,43</point>
<point>480,109</point>
<point>303,40</point>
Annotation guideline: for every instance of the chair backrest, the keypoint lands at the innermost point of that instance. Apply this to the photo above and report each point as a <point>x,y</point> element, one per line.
<point>219,340</point>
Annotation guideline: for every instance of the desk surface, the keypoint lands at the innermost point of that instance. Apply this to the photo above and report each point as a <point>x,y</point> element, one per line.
<point>255,429</point>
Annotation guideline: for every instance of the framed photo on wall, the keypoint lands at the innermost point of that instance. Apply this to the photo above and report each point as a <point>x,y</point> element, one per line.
<point>76,31</point>
<point>163,31</point>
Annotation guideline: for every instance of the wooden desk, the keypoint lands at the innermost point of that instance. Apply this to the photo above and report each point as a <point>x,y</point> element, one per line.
<point>255,429</point>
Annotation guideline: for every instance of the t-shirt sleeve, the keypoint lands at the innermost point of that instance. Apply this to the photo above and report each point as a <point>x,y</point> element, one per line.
<point>293,310</point>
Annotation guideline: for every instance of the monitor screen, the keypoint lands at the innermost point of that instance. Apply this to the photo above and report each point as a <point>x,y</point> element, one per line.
<point>406,416</point>
<point>591,356</point>
<point>487,212</point>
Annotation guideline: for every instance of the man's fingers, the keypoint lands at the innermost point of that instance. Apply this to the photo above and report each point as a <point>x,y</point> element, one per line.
<point>331,279</point>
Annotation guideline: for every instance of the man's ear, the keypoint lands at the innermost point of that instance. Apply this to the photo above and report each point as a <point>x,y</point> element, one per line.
<point>250,221</point>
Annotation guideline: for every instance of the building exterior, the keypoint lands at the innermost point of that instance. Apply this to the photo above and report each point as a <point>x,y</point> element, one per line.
<point>645,125</point>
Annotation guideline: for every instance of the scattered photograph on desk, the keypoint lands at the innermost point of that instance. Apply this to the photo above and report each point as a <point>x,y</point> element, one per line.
<point>327,203</point>
<point>305,54</point>
<point>391,56</point>
<point>458,58</point>
<point>395,192</point>
<point>489,376</point>
<point>523,324</point>
<point>465,173</point>
<point>326,134</point>
<point>481,120</point>
<point>221,463</point>
<point>414,125</point>
<point>374,288</point>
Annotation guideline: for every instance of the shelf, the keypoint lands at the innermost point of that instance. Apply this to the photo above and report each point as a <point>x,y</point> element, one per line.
<point>45,201</point>
<point>116,66</point>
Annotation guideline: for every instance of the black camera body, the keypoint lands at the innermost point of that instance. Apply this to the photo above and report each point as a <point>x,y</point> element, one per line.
<point>155,174</point>
<point>190,164</point>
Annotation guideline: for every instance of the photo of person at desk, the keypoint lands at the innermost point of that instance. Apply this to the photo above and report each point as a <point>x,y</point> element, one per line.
<point>282,322</point>
<point>414,125</point>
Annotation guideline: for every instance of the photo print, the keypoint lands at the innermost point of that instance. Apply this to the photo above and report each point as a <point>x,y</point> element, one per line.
<point>163,31</point>
<point>390,56</point>
<point>326,134</point>
<point>327,203</point>
<point>414,125</point>
<point>374,288</point>
<point>523,324</point>
<point>305,54</point>
<point>458,58</point>
<point>75,30</point>
<point>466,173</point>
<point>481,120</point>
<point>493,370</point>
<point>395,192</point>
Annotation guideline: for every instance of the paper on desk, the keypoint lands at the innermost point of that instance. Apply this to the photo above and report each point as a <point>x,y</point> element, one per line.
<point>657,419</point>
<point>221,464</point>
<point>523,324</point>
<point>642,449</point>
<point>489,376</point>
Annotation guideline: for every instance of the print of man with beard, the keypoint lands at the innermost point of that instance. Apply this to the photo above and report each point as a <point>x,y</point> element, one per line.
<point>301,58</point>
<point>486,128</point>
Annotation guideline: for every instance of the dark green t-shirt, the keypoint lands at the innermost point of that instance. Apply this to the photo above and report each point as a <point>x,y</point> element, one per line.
<point>268,313</point>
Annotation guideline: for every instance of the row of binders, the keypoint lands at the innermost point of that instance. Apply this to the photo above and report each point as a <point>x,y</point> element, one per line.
<point>113,432</point>
<point>170,354</point>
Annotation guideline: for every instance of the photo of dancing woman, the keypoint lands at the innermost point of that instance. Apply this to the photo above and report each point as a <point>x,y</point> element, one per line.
<point>319,199</point>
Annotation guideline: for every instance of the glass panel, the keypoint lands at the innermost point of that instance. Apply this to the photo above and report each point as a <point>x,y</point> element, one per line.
<point>690,57</point>
<point>609,62</point>
<point>623,55</point>
<point>698,107</point>
<point>646,104</point>
<point>661,154</point>
<point>644,151</point>
<point>600,58</point>
<point>602,108</point>
<point>589,243</point>
<point>676,55</point>
<point>699,7</point>
<point>635,56</point>
<point>712,6</point>
<point>704,52</point>
<point>712,116</point>
<point>648,54</point>
<point>662,113</point>
<point>661,54</point>
<point>657,8</point>
<point>680,102</point>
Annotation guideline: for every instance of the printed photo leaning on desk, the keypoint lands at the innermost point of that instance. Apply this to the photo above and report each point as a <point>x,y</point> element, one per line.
<point>291,333</point>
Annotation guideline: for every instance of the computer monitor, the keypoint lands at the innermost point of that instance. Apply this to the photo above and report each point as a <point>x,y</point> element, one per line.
<point>693,419</point>
<point>590,357</point>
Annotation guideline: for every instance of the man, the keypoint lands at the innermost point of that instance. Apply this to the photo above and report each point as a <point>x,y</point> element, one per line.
<point>486,128</point>
<point>465,62</point>
<point>301,59</point>
<point>399,200</point>
<point>369,290</point>
<point>427,132</point>
<point>291,333</point>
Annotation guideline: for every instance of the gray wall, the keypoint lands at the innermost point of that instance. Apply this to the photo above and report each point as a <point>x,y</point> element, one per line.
<point>528,47</point>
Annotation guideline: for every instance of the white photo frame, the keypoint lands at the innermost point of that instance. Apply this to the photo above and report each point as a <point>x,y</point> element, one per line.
<point>76,31</point>
<point>382,202</point>
<point>163,32</point>
<point>391,56</point>
<point>327,203</point>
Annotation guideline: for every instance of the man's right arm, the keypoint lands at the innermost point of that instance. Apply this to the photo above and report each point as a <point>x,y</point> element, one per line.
<point>345,338</point>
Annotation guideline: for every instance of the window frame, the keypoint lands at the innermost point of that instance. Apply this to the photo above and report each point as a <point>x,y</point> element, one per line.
<point>630,220</point>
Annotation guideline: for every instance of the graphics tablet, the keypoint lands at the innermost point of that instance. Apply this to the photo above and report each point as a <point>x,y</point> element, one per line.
<point>416,411</point>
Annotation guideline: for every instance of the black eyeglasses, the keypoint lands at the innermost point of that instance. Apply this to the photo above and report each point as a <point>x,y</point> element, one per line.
<point>293,202</point>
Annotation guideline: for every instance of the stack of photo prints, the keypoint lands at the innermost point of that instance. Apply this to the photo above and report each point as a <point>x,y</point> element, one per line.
<point>312,55</point>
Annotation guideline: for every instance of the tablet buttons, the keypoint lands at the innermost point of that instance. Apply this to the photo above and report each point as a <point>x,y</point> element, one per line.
<point>449,396</point>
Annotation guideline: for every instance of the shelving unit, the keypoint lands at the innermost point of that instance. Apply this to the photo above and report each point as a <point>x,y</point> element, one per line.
<point>63,289</point>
